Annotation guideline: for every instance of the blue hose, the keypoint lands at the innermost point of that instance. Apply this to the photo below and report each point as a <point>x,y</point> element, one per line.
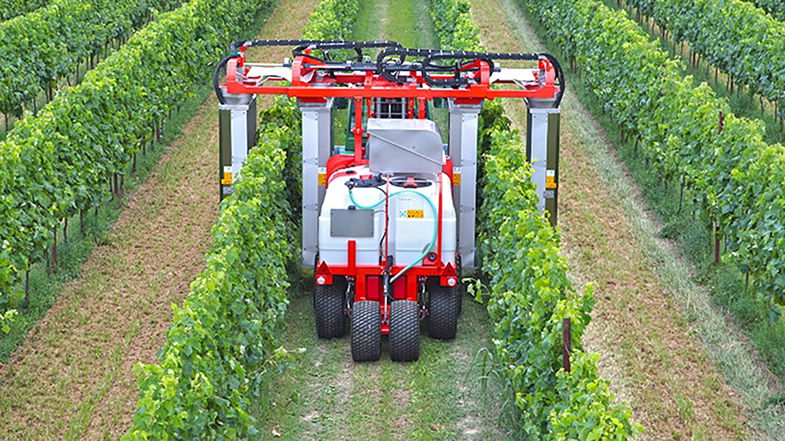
<point>435,223</point>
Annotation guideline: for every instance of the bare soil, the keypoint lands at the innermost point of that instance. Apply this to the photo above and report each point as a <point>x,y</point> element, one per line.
<point>73,377</point>
<point>648,350</point>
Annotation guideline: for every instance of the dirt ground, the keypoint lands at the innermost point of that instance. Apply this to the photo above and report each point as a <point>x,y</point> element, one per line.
<point>648,350</point>
<point>73,377</point>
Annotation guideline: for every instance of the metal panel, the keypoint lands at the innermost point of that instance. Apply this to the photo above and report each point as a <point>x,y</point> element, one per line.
<point>225,151</point>
<point>404,145</point>
<point>237,125</point>
<point>317,144</point>
<point>542,150</point>
<point>251,123</point>
<point>463,152</point>
<point>351,223</point>
<point>552,184</point>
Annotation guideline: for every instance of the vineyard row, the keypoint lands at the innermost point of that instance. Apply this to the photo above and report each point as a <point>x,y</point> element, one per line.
<point>733,35</point>
<point>227,334</point>
<point>529,294</point>
<point>685,132</point>
<point>14,8</point>
<point>60,162</point>
<point>39,48</point>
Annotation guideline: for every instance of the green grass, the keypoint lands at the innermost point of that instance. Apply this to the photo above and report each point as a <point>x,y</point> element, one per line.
<point>451,393</point>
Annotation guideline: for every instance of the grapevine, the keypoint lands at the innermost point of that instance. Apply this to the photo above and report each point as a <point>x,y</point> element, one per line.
<point>685,132</point>
<point>529,290</point>
<point>48,44</point>
<point>228,331</point>
<point>756,56</point>
<point>773,7</point>
<point>57,164</point>
<point>13,8</point>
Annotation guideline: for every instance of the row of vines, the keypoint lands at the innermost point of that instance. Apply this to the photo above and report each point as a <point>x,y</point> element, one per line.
<point>686,133</point>
<point>48,44</point>
<point>773,7</point>
<point>226,336</point>
<point>13,8</point>
<point>59,163</point>
<point>733,35</point>
<point>529,293</point>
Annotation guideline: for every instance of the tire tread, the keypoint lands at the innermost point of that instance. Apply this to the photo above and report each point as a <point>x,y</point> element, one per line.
<point>328,303</point>
<point>404,330</point>
<point>366,331</point>
<point>444,307</point>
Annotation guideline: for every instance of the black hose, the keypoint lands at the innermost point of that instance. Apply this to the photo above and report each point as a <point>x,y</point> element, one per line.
<point>218,92</point>
<point>431,55</point>
<point>335,44</point>
<point>559,76</point>
<point>394,48</point>
<point>300,45</point>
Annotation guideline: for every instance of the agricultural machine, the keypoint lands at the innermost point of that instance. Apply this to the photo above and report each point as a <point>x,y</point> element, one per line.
<point>388,220</point>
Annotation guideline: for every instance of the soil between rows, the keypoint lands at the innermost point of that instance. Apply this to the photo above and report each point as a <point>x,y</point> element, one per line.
<point>648,349</point>
<point>73,376</point>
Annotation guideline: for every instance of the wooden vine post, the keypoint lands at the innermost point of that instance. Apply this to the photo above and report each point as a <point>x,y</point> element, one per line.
<point>27,287</point>
<point>54,251</point>
<point>566,343</point>
<point>717,233</point>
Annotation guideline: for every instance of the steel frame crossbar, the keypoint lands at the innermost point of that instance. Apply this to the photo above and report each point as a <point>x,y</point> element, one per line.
<point>315,81</point>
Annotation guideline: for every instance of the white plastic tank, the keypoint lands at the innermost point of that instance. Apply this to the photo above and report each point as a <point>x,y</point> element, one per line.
<point>412,222</point>
<point>333,249</point>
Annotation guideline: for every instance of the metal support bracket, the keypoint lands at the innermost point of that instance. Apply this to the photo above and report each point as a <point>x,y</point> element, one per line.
<point>464,120</point>
<point>542,150</point>
<point>317,132</point>
<point>237,124</point>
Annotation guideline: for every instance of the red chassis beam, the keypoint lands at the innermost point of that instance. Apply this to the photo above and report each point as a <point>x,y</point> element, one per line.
<point>307,84</point>
<point>368,283</point>
<point>324,275</point>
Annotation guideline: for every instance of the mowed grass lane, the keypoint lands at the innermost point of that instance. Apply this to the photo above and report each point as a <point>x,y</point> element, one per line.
<point>446,395</point>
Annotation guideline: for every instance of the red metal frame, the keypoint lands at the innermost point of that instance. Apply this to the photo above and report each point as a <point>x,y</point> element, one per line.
<point>315,81</point>
<point>304,85</point>
<point>368,280</point>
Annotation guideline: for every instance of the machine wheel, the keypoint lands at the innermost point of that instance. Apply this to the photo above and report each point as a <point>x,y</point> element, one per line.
<point>328,306</point>
<point>366,331</point>
<point>404,330</point>
<point>443,309</point>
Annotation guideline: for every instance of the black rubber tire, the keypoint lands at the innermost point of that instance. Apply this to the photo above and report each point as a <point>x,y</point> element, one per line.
<point>328,306</point>
<point>443,309</point>
<point>366,331</point>
<point>404,330</point>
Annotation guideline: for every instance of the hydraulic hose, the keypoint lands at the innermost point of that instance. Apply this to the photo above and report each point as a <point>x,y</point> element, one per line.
<point>218,92</point>
<point>435,224</point>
